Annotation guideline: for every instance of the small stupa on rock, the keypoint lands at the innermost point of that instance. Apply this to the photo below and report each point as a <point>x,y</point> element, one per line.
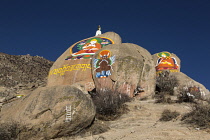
<point>98,32</point>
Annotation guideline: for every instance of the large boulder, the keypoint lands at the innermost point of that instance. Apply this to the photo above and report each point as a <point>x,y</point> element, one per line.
<point>125,68</point>
<point>51,112</point>
<point>74,65</point>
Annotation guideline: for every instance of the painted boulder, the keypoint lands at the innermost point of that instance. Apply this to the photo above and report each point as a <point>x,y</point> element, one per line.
<point>125,68</point>
<point>74,65</point>
<point>166,61</point>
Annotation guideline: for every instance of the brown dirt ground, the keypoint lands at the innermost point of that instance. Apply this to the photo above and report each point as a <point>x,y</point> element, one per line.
<point>142,123</point>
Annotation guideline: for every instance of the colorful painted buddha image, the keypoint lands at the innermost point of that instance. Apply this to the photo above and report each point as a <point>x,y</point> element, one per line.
<point>166,62</point>
<point>87,48</point>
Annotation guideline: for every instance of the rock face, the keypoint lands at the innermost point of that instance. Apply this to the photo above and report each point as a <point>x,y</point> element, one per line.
<point>126,68</point>
<point>185,83</point>
<point>74,65</point>
<point>44,111</point>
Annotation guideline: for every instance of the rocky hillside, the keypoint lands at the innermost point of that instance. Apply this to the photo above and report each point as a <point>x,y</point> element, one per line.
<point>20,74</point>
<point>22,69</point>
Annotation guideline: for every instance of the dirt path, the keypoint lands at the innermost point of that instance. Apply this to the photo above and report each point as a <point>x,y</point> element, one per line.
<point>142,123</point>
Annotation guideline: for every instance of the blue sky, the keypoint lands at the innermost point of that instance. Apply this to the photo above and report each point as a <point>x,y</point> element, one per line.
<point>48,27</point>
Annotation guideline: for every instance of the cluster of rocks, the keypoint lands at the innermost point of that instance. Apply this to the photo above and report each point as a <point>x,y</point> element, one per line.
<point>132,69</point>
<point>64,106</point>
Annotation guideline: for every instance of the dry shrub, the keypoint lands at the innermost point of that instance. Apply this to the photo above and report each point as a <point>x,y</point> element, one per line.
<point>189,95</point>
<point>199,116</point>
<point>10,130</point>
<point>109,105</point>
<point>165,84</point>
<point>168,115</point>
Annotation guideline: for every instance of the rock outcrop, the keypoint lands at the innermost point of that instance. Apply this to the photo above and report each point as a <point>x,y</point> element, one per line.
<point>166,61</point>
<point>44,111</point>
<point>74,65</point>
<point>126,68</point>
<point>133,70</point>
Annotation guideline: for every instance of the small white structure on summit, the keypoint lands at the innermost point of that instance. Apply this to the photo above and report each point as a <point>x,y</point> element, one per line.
<point>98,32</point>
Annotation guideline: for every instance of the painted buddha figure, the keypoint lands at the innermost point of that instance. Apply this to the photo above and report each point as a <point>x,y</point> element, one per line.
<point>166,62</point>
<point>103,64</point>
<point>88,49</point>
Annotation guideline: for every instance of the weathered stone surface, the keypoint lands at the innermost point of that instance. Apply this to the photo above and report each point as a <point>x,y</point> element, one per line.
<point>69,68</point>
<point>170,62</point>
<point>128,68</point>
<point>45,110</point>
<point>186,82</point>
